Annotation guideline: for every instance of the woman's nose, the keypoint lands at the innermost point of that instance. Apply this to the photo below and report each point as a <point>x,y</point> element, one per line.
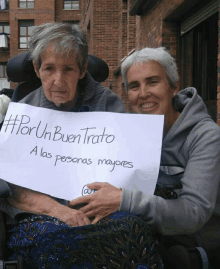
<point>144,93</point>
<point>59,79</point>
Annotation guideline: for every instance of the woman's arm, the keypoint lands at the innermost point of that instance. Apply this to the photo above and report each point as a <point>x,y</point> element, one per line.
<point>197,198</point>
<point>184,215</point>
<point>39,203</point>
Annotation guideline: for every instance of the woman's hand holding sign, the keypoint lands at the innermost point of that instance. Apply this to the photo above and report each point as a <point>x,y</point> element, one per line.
<point>100,204</point>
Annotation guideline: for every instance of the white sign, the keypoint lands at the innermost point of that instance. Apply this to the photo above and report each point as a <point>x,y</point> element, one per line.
<point>58,153</point>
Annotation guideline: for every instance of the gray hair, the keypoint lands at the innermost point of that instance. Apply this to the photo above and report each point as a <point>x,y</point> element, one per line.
<point>67,39</point>
<point>159,55</point>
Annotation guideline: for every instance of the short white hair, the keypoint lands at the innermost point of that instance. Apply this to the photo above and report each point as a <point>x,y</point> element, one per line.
<point>159,55</point>
<point>67,39</point>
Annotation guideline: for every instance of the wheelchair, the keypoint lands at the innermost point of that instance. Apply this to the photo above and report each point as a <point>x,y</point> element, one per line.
<point>20,69</point>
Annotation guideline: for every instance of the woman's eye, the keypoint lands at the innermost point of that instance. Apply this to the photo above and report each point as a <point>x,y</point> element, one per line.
<point>68,69</point>
<point>133,87</point>
<point>48,68</point>
<point>153,82</point>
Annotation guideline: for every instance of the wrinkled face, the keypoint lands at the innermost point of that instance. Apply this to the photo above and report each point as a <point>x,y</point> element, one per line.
<point>150,92</point>
<point>59,77</point>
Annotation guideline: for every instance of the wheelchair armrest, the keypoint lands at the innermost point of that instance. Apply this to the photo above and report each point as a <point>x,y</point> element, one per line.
<point>5,190</point>
<point>166,181</point>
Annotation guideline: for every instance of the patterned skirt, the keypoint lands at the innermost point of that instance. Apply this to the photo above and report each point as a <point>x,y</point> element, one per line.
<point>121,240</point>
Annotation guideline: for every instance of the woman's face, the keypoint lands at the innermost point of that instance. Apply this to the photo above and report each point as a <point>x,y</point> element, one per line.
<point>150,92</point>
<point>59,77</point>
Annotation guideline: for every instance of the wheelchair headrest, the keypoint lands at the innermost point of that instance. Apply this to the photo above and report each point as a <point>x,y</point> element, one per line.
<point>97,68</point>
<point>20,68</point>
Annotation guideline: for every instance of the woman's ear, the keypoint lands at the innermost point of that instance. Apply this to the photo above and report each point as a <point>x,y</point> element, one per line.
<point>36,69</point>
<point>82,75</point>
<point>176,89</point>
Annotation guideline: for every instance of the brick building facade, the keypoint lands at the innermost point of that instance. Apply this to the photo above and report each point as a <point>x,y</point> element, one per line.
<point>21,15</point>
<point>187,28</point>
<point>111,33</point>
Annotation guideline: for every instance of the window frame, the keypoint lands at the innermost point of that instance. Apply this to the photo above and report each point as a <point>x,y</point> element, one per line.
<point>3,24</point>
<point>72,4</point>
<point>3,64</point>
<point>27,34</point>
<point>26,4</point>
<point>198,56</point>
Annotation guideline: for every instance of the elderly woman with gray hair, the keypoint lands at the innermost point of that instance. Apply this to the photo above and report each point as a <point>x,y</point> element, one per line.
<point>191,147</point>
<point>44,229</point>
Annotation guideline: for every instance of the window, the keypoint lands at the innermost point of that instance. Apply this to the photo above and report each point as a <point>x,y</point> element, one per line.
<point>199,56</point>
<point>3,70</point>
<point>26,3</point>
<point>72,4</point>
<point>25,29</point>
<point>4,38</point>
<point>4,28</point>
<point>4,5</point>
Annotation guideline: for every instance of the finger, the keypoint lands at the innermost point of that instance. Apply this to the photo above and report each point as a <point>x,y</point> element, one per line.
<point>83,221</point>
<point>96,219</point>
<point>86,221</point>
<point>95,185</point>
<point>79,200</point>
<point>86,208</point>
<point>80,221</point>
<point>91,213</point>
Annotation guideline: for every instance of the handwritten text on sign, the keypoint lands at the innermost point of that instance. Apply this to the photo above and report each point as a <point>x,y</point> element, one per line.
<point>58,153</point>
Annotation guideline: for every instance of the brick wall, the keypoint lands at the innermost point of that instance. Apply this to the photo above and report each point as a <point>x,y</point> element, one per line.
<point>122,50</point>
<point>128,37</point>
<point>131,33</point>
<point>150,30</point>
<point>87,22</point>
<point>67,15</point>
<point>154,31</point>
<point>44,11</point>
<point>4,16</point>
<point>106,35</point>
<point>111,35</point>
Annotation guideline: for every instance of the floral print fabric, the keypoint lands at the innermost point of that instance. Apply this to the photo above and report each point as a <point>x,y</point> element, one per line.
<point>121,240</point>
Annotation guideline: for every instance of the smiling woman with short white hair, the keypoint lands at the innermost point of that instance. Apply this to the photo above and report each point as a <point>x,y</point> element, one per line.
<point>150,92</point>
<point>191,147</point>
